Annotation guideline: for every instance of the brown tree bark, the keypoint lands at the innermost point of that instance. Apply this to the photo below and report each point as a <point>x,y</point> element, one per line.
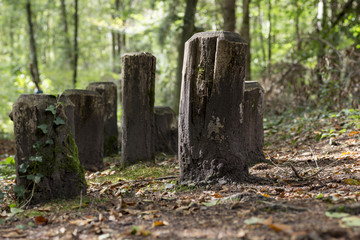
<point>67,43</point>
<point>138,87</point>
<point>228,8</point>
<point>245,34</point>
<point>76,49</point>
<point>211,147</point>
<point>187,31</point>
<point>34,69</point>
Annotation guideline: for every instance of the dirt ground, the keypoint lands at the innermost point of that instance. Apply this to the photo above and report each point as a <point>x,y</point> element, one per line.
<point>310,190</point>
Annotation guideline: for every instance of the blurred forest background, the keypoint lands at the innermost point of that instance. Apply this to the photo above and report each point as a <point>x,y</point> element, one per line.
<point>305,53</point>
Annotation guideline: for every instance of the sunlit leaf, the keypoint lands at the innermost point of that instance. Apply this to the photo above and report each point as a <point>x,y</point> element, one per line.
<point>51,109</point>
<point>353,221</point>
<point>336,214</point>
<point>352,133</point>
<point>158,223</point>
<point>254,220</point>
<point>212,203</point>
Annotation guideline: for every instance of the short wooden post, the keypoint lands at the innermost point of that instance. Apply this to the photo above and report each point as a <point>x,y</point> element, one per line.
<point>253,122</point>
<point>108,91</point>
<point>46,155</point>
<point>211,109</point>
<point>138,89</point>
<point>89,127</point>
<point>165,131</point>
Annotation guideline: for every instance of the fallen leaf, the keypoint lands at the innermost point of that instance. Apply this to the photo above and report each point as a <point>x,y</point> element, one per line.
<point>352,221</point>
<point>336,214</point>
<point>254,220</point>
<point>216,195</point>
<point>158,223</point>
<point>40,220</point>
<point>212,203</point>
<point>281,227</point>
<point>352,133</point>
<point>268,221</point>
<point>350,181</point>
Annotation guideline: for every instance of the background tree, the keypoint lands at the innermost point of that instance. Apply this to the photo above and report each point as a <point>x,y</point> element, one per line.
<point>245,34</point>
<point>188,30</point>
<point>76,49</point>
<point>33,66</point>
<point>228,10</point>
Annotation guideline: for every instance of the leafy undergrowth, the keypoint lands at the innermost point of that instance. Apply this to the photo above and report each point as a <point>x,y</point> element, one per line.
<point>309,190</point>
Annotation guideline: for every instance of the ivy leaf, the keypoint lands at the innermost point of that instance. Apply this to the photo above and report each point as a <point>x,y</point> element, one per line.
<point>38,177</point>
<point>49,141</point>
<point>30,177</point>
<point>19,191</point>
<point>43,128</point>
<point>59,121</point>
<point>23,167</point>
<point>51,109</point>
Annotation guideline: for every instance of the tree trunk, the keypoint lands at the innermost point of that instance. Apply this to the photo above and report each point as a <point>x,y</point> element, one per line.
<point>261,36</point>
<point>89,127</point>
<point>297,29</point>
<point>245,34</point>
<point>116,41</point>
<point>138,87</point>
<point>187,31</point>
<point>253,131</point>
<point>108,90</point>
<point>67,43</point>
<point>228,8</point>
<point>211,147</point>
<point>76,49</point>
<point>269,41</point>
<point>34,69</point>
<point>46,156</point>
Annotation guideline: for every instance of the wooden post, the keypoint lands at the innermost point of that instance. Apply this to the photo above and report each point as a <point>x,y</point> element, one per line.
<point>253,122</point>
<point>165,131</point>
<point>211,109</point>
<point>138,90</point>
<point>89,127</point>
<point>46,156</point>
<point>108,91</point>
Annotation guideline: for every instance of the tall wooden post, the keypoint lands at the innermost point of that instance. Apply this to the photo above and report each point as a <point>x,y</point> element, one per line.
<point>138,90</point>
<point>108,90</point>
<point>211,109</point>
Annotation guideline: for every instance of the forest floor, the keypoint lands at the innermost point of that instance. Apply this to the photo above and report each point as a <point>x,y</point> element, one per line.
<point>309,190</point>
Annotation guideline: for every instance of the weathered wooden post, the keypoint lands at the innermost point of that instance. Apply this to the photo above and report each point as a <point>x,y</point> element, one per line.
<point>89,127</point>
<point>46,156</point>
<point>138,89</point>
<point>165,131</point>
<point>211,109</point>
<point>253,131</point>
<point>108,91</point>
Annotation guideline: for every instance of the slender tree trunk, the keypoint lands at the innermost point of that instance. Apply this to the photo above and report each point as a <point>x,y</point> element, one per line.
<point>262,42</point>
<point>321,28</point>
<point>187,31</point>
<point>245,34</point>
<point>68,50</point>
<point>297,29</point>
<point>228,8</point>
<point>269,41</point>
<point>76,50</point>
<point>34,69</point>
<point>116,41</point>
